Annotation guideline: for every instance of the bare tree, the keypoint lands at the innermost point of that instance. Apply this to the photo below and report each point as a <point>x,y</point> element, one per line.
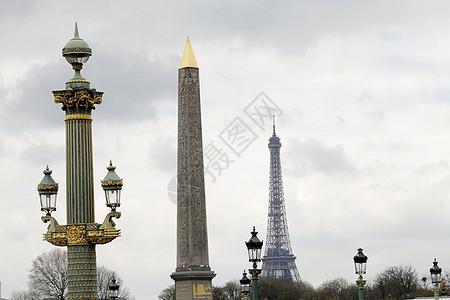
<point>104,278</point>
<point>48,275</point>
<point>271,288</point>
<point>339,288</point>
<point>168,293</point>
<point>232,290</point>
<point>23,295</point>
<point>48,278</point>
<point>218,293</point>
<point>399,282</point>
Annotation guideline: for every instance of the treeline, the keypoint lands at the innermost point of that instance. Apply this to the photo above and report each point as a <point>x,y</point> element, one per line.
<point>394,283</point>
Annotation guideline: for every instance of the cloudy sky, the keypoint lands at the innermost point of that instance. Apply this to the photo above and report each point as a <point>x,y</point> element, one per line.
<point>362,90</point>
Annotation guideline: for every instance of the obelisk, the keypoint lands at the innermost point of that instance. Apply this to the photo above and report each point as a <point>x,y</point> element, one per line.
<point>193,274</point>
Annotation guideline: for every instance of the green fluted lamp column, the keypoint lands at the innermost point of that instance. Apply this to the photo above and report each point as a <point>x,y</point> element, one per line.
<point>254,246</point>
<point>360,261</point>
<point>81,234</point>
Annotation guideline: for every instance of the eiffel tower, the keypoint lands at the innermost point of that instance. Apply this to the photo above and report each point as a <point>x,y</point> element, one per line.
<point>278,260</point>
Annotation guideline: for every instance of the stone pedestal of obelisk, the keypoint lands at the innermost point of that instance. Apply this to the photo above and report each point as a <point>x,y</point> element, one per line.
<point>193,274</point>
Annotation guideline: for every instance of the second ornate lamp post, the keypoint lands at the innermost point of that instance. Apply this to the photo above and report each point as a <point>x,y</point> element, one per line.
<point>114,289</point>
<point>360,261</point>
<point>245,286</point>
<point>81,234</point>
<point>254,246</point>
<point>436,278</point>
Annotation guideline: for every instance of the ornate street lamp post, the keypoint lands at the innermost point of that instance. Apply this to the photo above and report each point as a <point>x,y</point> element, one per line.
<point>114,289</point>
<point>360,261</point>
<point>245,286</point>
<point>254,246</point>
<point>436,278</point>
<point>81,234</point>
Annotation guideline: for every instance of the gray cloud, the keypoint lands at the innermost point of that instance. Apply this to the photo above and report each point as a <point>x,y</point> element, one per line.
<point>269,24</point>
<point>29,102</point>
<point>133,86</point>
<point>389,36</point>
<point>304,158</point>
<point>163,154</point>
<point>10,9</point>
<point>43,154</point>
<point>443,95</point>
<point>377,115</point>
<point>433,167</point>
<point>366,96</point>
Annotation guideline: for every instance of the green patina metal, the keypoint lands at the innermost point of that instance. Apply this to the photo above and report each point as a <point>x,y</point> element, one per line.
<point>77,81</point>
<point>76,45</point>
<point>81,234</point>
<point>255,284</point>
<point>360,282</point>
<point>47,184</point>
<point>112,181</point>
<point>77,52</point>
<point>79,166</point>
<point>48,190</point>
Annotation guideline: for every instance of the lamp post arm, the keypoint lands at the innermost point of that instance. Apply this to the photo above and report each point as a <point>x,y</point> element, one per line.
<point>53,223</point>
<point>108,223</point>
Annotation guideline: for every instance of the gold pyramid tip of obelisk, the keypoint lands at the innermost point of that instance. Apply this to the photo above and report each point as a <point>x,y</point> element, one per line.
<point>188,59</point>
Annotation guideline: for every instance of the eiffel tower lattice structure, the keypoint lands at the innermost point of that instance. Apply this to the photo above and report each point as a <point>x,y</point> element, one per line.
<point>278,260</point>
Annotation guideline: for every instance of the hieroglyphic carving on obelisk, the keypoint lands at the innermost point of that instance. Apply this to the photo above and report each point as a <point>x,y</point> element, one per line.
<point>193,274</point>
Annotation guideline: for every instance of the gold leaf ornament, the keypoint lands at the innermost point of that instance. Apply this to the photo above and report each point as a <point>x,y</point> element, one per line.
<point>75,234</point>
